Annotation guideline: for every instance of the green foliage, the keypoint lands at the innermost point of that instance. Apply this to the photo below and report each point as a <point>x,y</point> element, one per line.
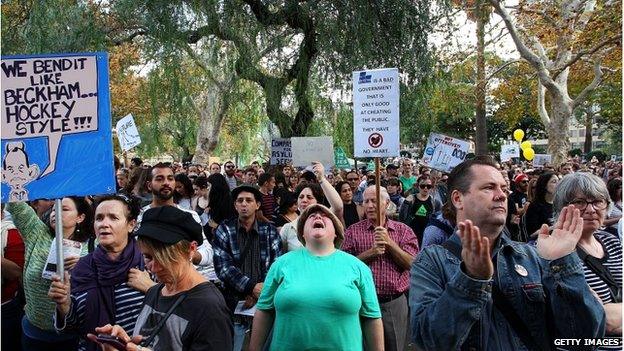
<point>575,152</point>
<point>56,26</point>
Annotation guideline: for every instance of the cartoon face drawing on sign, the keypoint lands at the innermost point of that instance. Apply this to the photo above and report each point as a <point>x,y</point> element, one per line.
<point>17,172</point>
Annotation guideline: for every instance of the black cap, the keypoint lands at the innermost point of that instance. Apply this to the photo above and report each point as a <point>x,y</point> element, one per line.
<point>168,225</point>
<point>250,189</point>
<point>392,166</point>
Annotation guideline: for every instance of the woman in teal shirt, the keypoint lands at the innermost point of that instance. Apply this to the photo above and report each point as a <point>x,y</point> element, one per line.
<point>319,298</point>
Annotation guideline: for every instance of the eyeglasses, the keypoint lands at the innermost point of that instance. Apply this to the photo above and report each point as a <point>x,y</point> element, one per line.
<point>581,204</point>
<point>428,186</point>
<point>229,166</point>
<point>352,179</point>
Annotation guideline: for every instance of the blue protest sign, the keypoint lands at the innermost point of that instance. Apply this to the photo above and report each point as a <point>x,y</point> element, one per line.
<point>56,126</point>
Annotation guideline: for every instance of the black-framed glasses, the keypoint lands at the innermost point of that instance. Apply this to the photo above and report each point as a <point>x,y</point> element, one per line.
<point>581,204</point>
<point>427,186</point>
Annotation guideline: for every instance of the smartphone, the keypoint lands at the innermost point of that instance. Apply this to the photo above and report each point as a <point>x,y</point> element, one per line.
<point>112,340</point>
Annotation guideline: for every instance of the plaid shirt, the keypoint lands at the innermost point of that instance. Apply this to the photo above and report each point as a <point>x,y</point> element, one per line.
<point>390,278</point>
<point>227,253</point>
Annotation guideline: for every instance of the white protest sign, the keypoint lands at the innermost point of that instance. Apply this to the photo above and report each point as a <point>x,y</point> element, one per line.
<point>305,150</point>
<point>540,160</point>
<point>376,113</point>
<point>71,248</point>
<point>509,151</point>
<point>127,133</point>
<point>444,152</point>
<point>280,151</point>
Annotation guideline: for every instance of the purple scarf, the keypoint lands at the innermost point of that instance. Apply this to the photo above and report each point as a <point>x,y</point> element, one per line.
<point>97,275</point>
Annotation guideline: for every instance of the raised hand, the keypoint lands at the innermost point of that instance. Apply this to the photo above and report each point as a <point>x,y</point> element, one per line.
<point>475,251</point>
<point>565,235</point>
<point>318,170</point>
<point>59,293</point>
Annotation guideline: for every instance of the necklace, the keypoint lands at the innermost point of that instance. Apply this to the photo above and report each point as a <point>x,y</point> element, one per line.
<point>593,248</point>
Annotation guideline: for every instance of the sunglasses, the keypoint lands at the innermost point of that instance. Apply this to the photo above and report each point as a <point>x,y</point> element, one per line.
<point>427,186</point>
<point>229,167</point>
<point>352,179</point>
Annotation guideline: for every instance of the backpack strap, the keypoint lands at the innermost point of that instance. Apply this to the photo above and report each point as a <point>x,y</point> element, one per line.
<point>442,226</point>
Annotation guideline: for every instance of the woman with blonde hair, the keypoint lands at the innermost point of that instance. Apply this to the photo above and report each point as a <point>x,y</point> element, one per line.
<point>184,311</point>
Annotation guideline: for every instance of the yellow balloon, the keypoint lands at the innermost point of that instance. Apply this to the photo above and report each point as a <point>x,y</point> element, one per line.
<point>526,145</point>
<point>518,134</point>
<point>528,153</point>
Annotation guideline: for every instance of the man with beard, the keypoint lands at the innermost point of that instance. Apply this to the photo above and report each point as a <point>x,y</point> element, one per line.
<point>161,182</point>
<point>230,177</point>
<point>482,291</point>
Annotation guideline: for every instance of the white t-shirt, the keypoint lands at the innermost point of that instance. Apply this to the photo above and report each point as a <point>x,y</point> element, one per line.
<point>288,233</point>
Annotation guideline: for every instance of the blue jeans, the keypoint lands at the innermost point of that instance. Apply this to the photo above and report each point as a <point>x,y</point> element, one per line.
<point>240,329</point>
<point>36,339</point>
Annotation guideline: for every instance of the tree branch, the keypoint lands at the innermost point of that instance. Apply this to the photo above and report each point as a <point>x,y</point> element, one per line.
<point>524,51</point>
<point>541,103</point>
<point>130,37</point>
<point>587,52</point>
<point>591,87</point>
<point>500,68</point>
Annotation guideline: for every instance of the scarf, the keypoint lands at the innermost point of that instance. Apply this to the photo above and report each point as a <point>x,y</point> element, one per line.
<point>97,275</point>
<point>396,198</point>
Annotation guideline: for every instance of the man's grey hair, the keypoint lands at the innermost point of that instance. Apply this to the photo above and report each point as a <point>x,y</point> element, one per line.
<point>383,192</point>
<point>579,184</point>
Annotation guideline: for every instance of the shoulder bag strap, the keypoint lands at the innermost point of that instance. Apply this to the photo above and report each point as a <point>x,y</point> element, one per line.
<point>596,266</point>
<point>161,324</point>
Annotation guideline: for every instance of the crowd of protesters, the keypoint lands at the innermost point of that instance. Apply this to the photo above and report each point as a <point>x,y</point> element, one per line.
<point>493,256</point>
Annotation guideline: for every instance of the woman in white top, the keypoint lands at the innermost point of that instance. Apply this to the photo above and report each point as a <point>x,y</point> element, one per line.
<point>310,194</point>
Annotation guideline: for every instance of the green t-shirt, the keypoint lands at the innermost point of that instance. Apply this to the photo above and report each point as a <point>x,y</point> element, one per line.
<point>318,301</point>
<point>407,183</point>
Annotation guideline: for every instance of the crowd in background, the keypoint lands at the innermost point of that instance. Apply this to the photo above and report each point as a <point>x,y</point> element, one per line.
<point>227,202</point>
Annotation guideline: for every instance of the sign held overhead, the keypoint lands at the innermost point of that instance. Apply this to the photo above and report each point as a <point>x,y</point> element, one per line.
<point>56,126</point>
<point>376,113</point>
<point>127,133</point>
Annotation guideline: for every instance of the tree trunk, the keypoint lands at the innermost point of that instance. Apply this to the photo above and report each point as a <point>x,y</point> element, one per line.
<point>480,120</point>
<point>558,135</point>
<point>589,121</point>
<point>212,111</point>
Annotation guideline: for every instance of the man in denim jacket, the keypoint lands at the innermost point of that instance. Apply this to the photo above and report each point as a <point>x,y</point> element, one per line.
<point>451,298</point>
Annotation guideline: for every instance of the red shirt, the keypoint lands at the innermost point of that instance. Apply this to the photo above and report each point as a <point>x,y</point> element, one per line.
<point>389,277</point>
<point>14,251</point>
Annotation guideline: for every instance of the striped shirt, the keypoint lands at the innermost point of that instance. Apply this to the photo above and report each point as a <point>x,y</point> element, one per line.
<point>128,304</point>
<point>612,260</point>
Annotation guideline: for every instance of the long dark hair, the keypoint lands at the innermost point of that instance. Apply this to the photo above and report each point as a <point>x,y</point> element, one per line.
<point>541,186</point>
<point>84,229</point>
<point>187,184</point>
<point>220,199</point>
